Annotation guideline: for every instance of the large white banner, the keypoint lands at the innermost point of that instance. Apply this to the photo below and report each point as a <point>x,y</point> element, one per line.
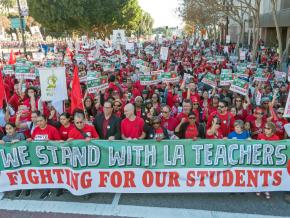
<point>53,84</point>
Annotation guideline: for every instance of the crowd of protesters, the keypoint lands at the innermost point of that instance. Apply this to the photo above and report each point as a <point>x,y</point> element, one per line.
<point>127,110</point>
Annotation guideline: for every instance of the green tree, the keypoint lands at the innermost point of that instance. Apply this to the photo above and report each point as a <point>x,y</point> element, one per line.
<point>86,16</point>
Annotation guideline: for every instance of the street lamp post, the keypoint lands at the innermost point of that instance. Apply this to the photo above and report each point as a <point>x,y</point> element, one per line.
<point>21,17</point>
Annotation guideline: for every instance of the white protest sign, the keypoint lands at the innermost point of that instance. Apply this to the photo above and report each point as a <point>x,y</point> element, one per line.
<point>287,107</point>
<point>164,53</point>
<point>242,55</point>
<point>53,84</point>
<point>228,39</point>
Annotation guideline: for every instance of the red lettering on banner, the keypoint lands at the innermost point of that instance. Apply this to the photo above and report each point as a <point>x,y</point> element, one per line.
<point>45,176</point>
<point>116,179</point>
<point>228,178</point>
<point>147,178</point>
<point>12,176</point>
<point>23,177</point>
<point>160,182</point>
<point>75,180</point>
<point>190,178</point>
<point>59,173</point>
<point>265,174</point>
<point>240,182</point>
<point>86,180</point>
<point>202,175</point>
<point>277,176</point>
<point>211,178</point>
<point>129,179</point>
<point>253,178</point>
<point>32,177</point>
<point>173,179</point>
<point>103,178</point>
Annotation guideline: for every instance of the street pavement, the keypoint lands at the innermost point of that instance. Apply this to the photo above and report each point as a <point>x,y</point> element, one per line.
<point>146,205</point>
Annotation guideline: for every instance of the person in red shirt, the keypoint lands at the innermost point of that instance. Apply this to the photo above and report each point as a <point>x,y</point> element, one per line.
<point>81,130</point>
<point>132,127</point>
<point>66,125</point>
<point>44,131</point>
<point>269,133</point>
<point>189,129</point>
<point>280,122</point>
<point>227,119</point>
<point>167,121</point>
<point>214,132</point>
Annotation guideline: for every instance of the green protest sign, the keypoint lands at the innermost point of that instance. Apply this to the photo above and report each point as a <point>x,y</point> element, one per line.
<point>260,75</point>
<point>8,70</point>
<point>96,85</point>
<point>170,77</point>
<point>240,86</point>
<point>210,79</point>
<point>24,72</point>
<point>147,166</point>
<point>93,75</point>
<point>146,80</point>
<point>226,78</point>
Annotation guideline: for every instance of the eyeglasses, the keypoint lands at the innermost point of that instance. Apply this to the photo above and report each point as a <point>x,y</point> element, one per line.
<point>238,100</point>
<point>96,100</point>
<point>165,112</point>
<point>258,113</point>
<point>218,123</point>
<point>108,107</point>
<point>191,118</point>
<point>280,113</point>
<point>80,122</point>
<point>154,123</point>
<point>267,128</point>
<point>195,104</point>
<point>221,106</point>
<point>117,105</point>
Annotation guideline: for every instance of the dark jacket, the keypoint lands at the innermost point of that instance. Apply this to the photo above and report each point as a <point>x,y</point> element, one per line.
<point>113,126</point>
<point>150,132</point>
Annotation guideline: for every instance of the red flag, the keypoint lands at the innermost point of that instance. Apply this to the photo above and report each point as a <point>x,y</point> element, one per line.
<point>12,58</point>
<point>2,91</point>
<point>76,93</point>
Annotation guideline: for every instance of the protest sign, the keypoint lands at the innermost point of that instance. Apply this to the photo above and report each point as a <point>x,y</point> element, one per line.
<point>93,75</point>
<point>38,56</point>
<point>240,86</point>
<point>242,55</point>
<point>146,80</point>
<point>226,77</point>
<point>129,46</point>
<point>260,75</point>
<point>96,85</point>
<point>170,77</point>
<point>287,107</point>
<point>8,70</point>
<point>119,37</point>
<point>53,84</point>
<point>164,53</point>
<point>24,72</point>
<point>147,166</point>
<point>209,79</point>
<point>228,39</point>
<point>280,76</point>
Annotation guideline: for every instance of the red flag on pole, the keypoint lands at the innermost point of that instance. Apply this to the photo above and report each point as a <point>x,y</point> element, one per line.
<point>2,91</point>
<point>12,58</point>
<point>76,93</point>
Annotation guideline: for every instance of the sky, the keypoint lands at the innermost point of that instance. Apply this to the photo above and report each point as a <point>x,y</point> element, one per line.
<point>162,11</point>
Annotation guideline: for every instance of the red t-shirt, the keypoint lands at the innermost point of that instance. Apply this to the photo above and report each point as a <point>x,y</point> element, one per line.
<point>262,136</point>
<point>132,129</point>
<point>169,124</point>
<point>280,131</point>
<point>63,131</point>
<point>191,132</point>
<point>218,135</point>
<point>88,129</point>
<point>48,133</point>
<point>227,122</point>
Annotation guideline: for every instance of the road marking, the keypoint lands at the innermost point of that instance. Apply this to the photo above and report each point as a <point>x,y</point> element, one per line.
<point>116,210</point>
<point>116,199</point>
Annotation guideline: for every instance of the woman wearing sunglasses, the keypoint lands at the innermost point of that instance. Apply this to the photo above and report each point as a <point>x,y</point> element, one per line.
<point>188,129</point>
<point>155,130</point>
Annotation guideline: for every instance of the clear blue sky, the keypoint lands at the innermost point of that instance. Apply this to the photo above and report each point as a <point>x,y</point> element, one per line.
<point>162,11</point>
